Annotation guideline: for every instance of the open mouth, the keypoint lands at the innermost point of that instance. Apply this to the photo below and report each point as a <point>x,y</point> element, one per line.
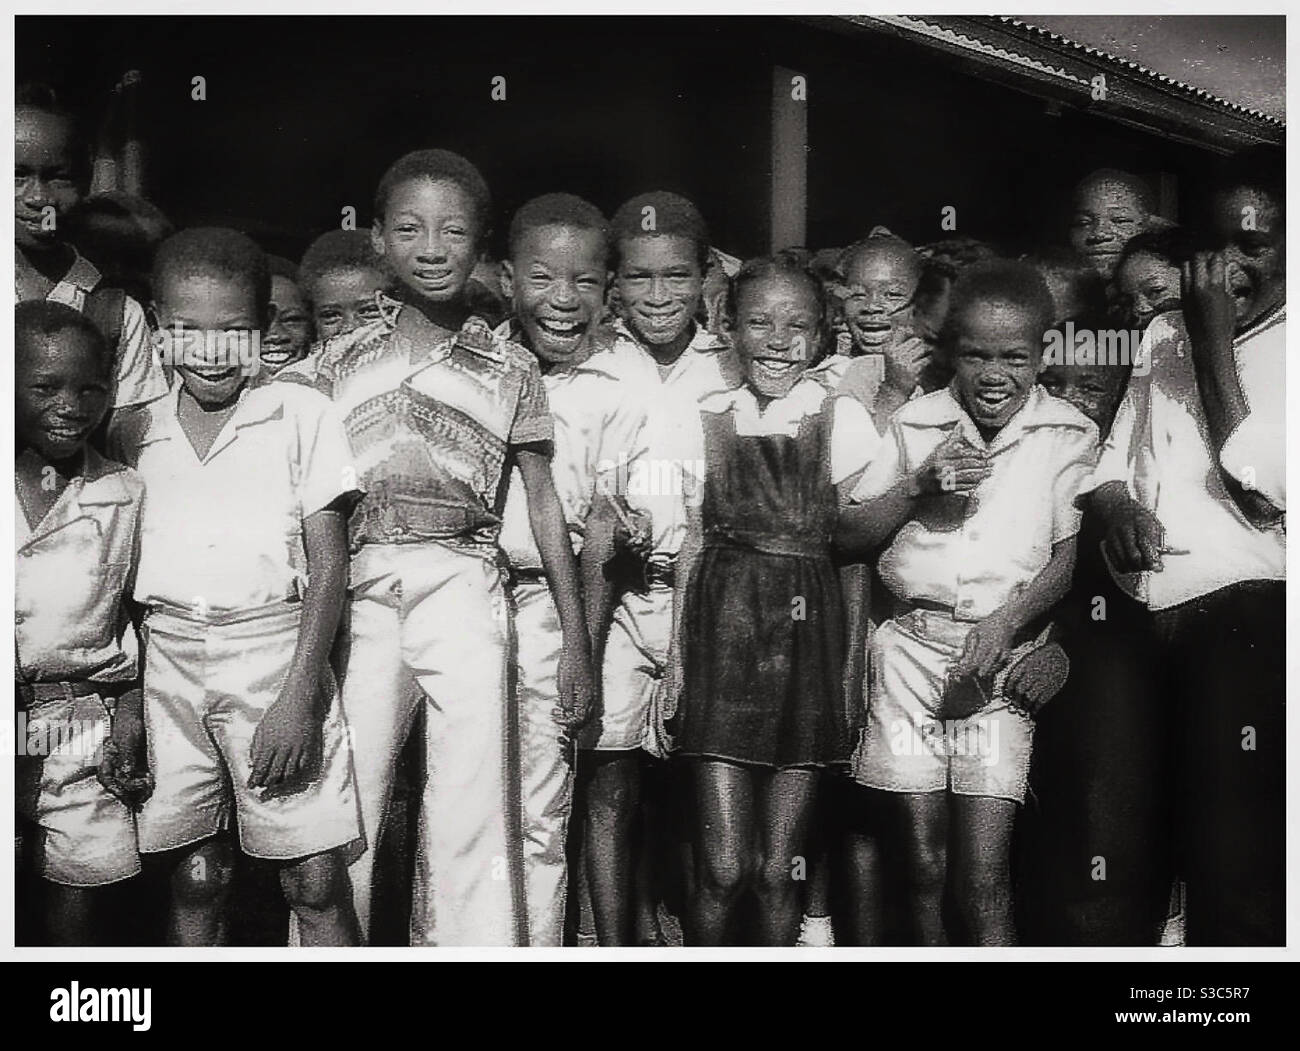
<point>872,331</point>
<point>276,353</point>
<point>561,330</point>
<point>433,278</point>
<point>63,434</point>
<point>992,402</point>
<point>213,374</point>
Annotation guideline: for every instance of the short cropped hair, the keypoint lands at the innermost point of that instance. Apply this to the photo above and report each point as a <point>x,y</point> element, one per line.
<point>438,166</point>
<point>558,209</point>
<point>336,250</point>
<point>1261,167</point>
<point>1000,281</point>
<point>1174,244</point>
<point>215,251</point>
<point>279,266</point>
<point>1104,175</point>
<point>783,264</point>
<point>41,317</point>
<point>674,215</point>
<point>44,99</point>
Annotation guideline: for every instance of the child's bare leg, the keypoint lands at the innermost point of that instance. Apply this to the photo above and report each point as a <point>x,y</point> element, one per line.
<point>70,915</point>
<point>318,891</point>
<point>200,885</point>
<point>785,816</point>
<point>650,839</point>
<point>724,795</point>
<point>865,861</point>
<point>982,866</point>
<point>925,832</point>
<point>612,798</point>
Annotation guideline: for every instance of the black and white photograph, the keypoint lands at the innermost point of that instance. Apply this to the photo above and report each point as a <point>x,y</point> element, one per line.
<point>650,481</point>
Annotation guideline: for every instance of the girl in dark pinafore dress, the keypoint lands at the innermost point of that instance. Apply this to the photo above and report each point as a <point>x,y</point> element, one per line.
<point>760,660</point>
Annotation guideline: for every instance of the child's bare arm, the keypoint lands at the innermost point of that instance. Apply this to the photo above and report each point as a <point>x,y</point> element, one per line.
<point>955,467</point>
<point>683,565</point>
<point>551,532</point>
<point>855,582</point>
<point>286,745</point>
<point>992,638</point>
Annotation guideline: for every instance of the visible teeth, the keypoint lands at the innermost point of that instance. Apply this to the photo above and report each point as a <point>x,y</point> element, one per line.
<point>563,328</point>
<point>776,365</point>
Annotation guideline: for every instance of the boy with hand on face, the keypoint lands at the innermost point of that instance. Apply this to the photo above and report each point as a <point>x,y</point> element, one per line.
<point>243,563</point>
<point>1191,486</point>
<point>438,408</point>
<point>50,174</point>
<point>972,496</point>
<point>75,650</point>
<point>556,276</point>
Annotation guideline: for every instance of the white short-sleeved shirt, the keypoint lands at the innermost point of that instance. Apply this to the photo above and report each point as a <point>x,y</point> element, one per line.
<point>854,440</point>
<point>72,572</point>
<point>1159,447</point>
<point>597,424</point>
<point>225,534</point>
<point>974,562</point>
<point>668,460</point>
<point>139,375</point>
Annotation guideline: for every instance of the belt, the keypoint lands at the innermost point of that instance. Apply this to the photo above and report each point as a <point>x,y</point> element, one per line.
<point>809,546</point>
<point>659,571</point>
<point>29,693</point>
<point>527,575</point>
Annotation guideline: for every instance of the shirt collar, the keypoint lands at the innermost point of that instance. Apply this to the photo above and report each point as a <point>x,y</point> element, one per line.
<point>257,404</point>
<point>943,410</point>
<point>101,483</point>
<point>82,274</point>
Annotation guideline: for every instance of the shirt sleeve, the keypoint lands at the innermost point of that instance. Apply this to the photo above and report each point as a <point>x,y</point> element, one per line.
<point>532,420</point>
<point>885,469</point>
<point>325,468</point>
<point>1078,457</point>
<point>139,377</point>
<point>854,439</point>
<point>1255,452</point>
<point>1116,462</point>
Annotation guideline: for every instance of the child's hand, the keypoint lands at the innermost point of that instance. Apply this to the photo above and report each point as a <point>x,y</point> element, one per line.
<point>955,466</point>
<point>1039,677</point>
<point>905,361</point>
<point>123,768</point>
<point>986,646</point>
<point>288,743</point>
<point>1134,539</point>
<point>1208,308</point>
<point>577,687</point>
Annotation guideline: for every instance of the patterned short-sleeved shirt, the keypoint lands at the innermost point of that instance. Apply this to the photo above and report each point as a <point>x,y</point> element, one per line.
<point>430,418</point>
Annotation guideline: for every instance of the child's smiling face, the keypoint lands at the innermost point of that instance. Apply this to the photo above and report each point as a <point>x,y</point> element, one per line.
<point>777,328</point>
<point>61,392</point>
<point>430,237</point>
<point>1150,285</point>
<point>557,279</point>
<point>288,337</point>
<point>660,286</point>
<point>882,278</point>
<point>1255,258</point>
<point>1107,215</point>
<point>343,299</point>
<point>44,176</point>
<point>216,312</point>
<point>997,350</point>
<point>1092,389</point>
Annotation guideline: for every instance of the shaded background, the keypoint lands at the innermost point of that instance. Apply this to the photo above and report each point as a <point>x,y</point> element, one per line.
<point>303,114</point>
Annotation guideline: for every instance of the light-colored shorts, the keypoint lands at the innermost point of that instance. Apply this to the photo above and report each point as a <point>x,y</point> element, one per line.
<point>84,836</point>
<point>636,654</point>
<point>207,684</point>
<point>907,748</point>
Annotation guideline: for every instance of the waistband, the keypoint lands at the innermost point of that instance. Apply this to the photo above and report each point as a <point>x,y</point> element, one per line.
<point>810,546</point>
<point>28,693</point>
<point>191,615</point>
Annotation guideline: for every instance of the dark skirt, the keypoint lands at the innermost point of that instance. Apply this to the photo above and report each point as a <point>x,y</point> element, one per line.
<point>763,660</point>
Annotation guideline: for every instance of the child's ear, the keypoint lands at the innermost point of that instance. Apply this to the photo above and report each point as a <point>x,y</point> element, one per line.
<point>377,238</point>
<point>507,278</point>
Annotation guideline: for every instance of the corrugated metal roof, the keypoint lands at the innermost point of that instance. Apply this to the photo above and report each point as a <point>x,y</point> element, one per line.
<point>1056,40</point>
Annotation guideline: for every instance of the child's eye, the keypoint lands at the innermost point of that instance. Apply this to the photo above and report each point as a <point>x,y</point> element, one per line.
<point>370,311</point>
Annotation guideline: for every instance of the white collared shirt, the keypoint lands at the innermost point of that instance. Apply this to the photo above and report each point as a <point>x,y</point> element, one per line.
<point>139,375</point>
<point>667,455</point>
<point>225,533</point>
<point>973,558</point>
<point>1159,447</point>
<point>72,572</point>
<point>597,421</point>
